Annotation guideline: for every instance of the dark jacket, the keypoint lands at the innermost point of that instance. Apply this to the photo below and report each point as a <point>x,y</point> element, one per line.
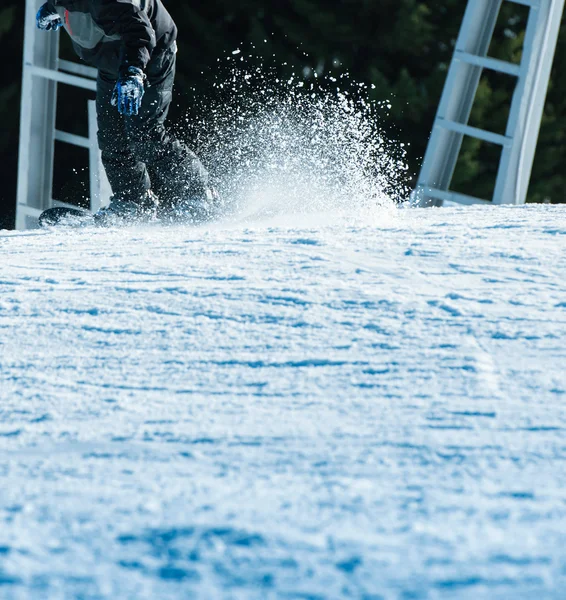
<point>113,34</point>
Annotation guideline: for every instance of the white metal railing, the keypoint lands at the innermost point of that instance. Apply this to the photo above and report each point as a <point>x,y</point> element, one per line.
<point>42,71</point>
<point>518,144</point>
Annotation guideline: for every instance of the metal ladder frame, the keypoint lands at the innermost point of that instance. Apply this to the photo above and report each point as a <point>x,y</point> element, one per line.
<point>527,105</point>
<point>42,71</point>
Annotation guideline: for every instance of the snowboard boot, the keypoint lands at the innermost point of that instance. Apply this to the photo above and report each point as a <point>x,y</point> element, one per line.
<point>197,209</point>
<point>125,210</point>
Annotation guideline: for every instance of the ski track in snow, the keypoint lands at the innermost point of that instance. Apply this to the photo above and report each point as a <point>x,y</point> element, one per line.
<point>273,410</point>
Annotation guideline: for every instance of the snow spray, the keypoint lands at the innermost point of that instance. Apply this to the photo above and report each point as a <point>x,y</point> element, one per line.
<point>299,145</point>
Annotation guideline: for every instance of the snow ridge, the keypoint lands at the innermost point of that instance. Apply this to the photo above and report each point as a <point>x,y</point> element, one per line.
<point>304,406</point>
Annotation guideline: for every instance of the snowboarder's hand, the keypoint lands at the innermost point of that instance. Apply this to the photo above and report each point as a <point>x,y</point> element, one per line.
<point>47,19</point>
<point>128,91</point>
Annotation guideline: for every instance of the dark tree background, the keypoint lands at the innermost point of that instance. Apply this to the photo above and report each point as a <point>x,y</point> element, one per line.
<point>402,47</point>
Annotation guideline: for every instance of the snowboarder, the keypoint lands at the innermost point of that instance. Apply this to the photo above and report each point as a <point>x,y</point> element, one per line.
<point>132,43</point>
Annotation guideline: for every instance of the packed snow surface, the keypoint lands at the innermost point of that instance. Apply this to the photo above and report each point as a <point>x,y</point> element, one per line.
<point>294,406</point>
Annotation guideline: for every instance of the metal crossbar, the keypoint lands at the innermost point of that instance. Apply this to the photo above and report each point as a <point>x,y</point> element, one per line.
<point>451,123</point>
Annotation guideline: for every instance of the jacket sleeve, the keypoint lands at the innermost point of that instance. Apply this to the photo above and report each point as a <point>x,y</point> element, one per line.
<point>127,19</point>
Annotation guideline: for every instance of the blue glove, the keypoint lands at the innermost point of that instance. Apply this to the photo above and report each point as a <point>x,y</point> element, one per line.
<point>47,19</point>
<point>129,91</point>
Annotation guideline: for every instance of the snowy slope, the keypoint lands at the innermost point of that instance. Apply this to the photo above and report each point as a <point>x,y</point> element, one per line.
<point>311,407</point>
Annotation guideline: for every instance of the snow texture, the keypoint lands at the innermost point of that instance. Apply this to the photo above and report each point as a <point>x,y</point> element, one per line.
<point>299,407</point>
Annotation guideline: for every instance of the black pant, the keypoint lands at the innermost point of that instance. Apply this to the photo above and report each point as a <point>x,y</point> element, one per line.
<point>138,153</point>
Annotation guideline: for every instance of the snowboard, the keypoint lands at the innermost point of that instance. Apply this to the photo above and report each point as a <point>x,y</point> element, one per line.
<point>81,217</point>
<point>62,215</point>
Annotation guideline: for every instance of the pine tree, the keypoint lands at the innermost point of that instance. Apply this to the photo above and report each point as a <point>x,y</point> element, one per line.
<point>548,182</point>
